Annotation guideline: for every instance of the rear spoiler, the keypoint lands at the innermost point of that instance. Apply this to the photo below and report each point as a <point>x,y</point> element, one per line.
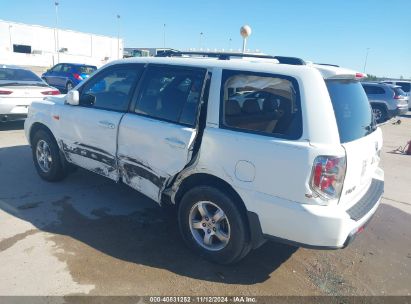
<point>335,72</point>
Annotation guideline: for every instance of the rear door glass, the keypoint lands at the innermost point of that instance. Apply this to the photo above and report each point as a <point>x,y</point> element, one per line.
<point>351,108</point>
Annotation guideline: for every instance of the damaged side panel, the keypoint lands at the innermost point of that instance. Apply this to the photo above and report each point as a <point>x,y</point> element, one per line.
<point>91,158</point>
<point>141,177</point>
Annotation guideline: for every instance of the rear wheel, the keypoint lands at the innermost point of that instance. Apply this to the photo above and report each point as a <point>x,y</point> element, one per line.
<point>379,112</point>
<point>47,158</point>
<point>213,225</point>
<point>69,86</point>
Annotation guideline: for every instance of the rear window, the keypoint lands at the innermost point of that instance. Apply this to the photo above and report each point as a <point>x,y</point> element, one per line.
<point>352,109</point>
<point>86,69</point>
<point>18,75</point>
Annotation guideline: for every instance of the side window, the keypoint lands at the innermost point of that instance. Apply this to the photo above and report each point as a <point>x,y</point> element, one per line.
<point>405,86</point>
<point>111,89</point>
<point>261,103</point>
<point>373,90</point>
<point>66,68</point>
<point>57,68</point>
<point>171,94</point>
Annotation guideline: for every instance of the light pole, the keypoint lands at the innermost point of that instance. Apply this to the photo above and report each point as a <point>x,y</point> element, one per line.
<point>118,36</point>
<point>164,35</point>
<point>229,43</point>
<point>366,57</point>
<point>245,32</point>
<point>201,38</point>
<point>56,31</point>
<point>11,45</point>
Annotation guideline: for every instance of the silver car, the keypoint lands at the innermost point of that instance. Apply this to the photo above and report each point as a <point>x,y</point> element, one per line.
<point>405,86</point>
<point>19,87</point>
<point>387,101</point>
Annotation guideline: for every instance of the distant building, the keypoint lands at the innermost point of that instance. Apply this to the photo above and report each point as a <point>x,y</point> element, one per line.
<point>143,52</point>
<point>35,45</point>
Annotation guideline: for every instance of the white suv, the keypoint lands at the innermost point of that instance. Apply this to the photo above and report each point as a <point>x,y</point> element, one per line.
<point>295,159</point>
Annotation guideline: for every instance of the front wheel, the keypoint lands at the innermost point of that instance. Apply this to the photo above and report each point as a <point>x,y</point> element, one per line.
<point>213,225</point>
<point>47,158</point>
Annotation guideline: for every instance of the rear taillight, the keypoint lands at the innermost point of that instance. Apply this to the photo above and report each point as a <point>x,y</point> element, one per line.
<point>4,92</point>
<point>52,92</point>
<point>77,76</point>
<point>397,96</point>
<point>328,176</point>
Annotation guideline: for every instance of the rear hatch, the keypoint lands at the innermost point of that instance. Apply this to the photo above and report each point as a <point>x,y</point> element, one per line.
<point>359,136</point>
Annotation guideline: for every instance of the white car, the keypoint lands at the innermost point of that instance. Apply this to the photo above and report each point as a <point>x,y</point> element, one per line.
<point>19,87</point>
<point>302,169</point>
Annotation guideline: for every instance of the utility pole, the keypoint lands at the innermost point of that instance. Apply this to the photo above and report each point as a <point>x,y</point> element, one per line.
<point>229,43</point>
<point>11,45</point>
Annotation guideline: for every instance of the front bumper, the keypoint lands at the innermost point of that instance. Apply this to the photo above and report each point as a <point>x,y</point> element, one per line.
<point>314,226</point>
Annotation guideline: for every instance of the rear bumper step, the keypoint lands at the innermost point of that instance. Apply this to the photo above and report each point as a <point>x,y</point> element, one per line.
<point>368,201</point>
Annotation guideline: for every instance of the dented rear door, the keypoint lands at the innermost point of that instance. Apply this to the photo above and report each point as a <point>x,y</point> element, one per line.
<point>157,136</point>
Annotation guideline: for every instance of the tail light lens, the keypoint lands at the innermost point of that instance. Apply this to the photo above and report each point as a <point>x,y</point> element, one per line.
<point>397,96</point>
<point>327,177</point>
<point>4,92</point>
<point>77,76</point>
<point>52,92</point>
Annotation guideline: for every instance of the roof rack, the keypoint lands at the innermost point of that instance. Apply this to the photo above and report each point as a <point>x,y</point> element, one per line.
<point>328,64</point>
<point>227,56</point>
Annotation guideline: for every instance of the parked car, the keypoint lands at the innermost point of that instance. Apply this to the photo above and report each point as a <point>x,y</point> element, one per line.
<point>405,86</point>
<point>65,76</point>
<point>302,169</point>
<point>18,88</point>
<point>387,100</point>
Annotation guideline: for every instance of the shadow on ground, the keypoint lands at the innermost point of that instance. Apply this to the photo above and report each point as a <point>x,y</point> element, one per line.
<point>145,236</point>
<point>12,125</point>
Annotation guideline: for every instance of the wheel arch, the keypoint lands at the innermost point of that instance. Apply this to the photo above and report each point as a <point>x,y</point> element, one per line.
<point>39,126</point>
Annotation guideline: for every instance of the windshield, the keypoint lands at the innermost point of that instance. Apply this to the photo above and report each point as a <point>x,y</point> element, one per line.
<point>86,69</point>
<point>16,75</point>
<point>352,109</point>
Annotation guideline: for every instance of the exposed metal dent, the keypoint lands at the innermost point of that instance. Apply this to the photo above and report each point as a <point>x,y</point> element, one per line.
<point>108,160</point>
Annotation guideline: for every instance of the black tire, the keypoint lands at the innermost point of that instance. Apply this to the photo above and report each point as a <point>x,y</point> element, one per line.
<point>380,113</point>
<point>238,244</point>
<point>58,168</point>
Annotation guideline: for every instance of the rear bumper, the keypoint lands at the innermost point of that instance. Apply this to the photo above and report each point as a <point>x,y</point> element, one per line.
<point>398,111</point>
<point>12,117</point>
<point>314,226</point>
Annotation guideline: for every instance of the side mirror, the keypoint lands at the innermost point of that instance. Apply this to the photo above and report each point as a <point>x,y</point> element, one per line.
<point>73,98</point>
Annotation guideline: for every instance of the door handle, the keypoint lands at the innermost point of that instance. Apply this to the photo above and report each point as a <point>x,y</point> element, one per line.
<point>106,124</point>
<point>172,141</point>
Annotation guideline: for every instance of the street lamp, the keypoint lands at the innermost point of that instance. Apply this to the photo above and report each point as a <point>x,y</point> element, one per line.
<point>118,36</point>
<point>56,31</point>
<point>366,57</point>
<point>164,35</point>
<point>229,43</point>
<point>245,32</point>
<point>11,45</point>
<point>201,36</point>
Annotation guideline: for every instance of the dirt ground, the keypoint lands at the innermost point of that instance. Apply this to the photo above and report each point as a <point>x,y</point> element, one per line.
<point>88,235</point>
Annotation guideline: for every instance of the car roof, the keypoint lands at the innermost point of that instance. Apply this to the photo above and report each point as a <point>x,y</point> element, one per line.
<point>8,66</point>
<point>252,64</point>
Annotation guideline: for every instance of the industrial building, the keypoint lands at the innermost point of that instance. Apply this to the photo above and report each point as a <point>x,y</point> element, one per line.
<point>40,46</point>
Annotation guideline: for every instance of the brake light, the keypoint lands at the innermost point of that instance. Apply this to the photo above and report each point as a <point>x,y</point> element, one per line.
<point>4,92</point>
<point>397,96</point>
<point>328,176</point>
<point>77,76</point>
<point>360,75</point>
<point>52,92</point>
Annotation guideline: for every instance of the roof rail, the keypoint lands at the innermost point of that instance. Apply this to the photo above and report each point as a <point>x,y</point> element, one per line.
<point>328,64</point>
<point>227,56</point>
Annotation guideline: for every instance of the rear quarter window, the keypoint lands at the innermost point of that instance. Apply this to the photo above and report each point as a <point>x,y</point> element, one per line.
<point>261,103</point>
<point>351,108</point>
